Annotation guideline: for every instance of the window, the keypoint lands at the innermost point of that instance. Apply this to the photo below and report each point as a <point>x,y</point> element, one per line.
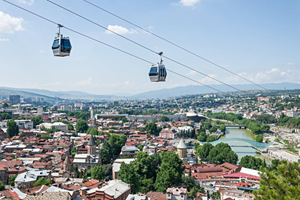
<point>55,44</point>
<point>153,71</point>
<point>65,45</point>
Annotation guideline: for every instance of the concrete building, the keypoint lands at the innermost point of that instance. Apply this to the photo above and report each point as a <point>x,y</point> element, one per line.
<point>129,151</point>
<point>27,179</point>
<point>14,99</point>
<point>112,190</point>
<point>24,124</point>
<point>177,193</point>
<point>168,134</point>
<point>57,125</point>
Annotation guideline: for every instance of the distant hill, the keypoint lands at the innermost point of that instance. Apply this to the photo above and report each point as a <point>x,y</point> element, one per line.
<point>197,89</point>
<point>7,92</point>
<point>60,94</point>
<point>163,93</point>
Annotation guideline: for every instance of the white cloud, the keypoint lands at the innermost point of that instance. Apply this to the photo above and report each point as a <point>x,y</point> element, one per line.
<point>4,40</point>
<point>150,27</point>
<point>290,63</point>
<point>191,73</point>
<point>10,24</point>
<point>85,82</point>
<point>28,2</point>
<point>189,3</point>
<point>120,30</point>
<point>41,51</point>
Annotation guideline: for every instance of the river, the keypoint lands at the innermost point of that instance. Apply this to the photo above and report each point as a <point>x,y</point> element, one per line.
<point>242,151</point>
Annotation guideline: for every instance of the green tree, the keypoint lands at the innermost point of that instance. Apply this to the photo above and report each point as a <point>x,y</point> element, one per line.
<point>129,176</point>
<point>215,195</point>
<point>211,138</point>
<point>165,119</point>
<point>222,128</point>
<point>12,128</point>
<point>92,131</point>
<point>265,128</point>
<point>36,121</point>
<point>282,183</point>
<point>252,162</point>
<point>213,129</point>
<point>202,137</point>
<point>98,173</point>
<point>2,186</point>
<point>152,128</point>
<point>124,119</point>
<point>11,180</point>
<point>70,127</point>
<point>259,138</point>
<point>170,173</point>
<point>81,126</point>
<point>203,151</point>
<point>42,181</point>
<point>222,153</point>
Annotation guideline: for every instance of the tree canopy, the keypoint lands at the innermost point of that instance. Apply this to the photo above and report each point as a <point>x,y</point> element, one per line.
<point>218,154</point>
<point>12,128</point>
<point>259,138</point>
<point>152,173</point>
<point>42,181</point>
<point>36,121</point>
<point>81,126</point>
<point>283,183</point>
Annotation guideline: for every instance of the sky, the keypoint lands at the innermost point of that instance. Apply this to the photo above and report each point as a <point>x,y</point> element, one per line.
<point>256,39</point>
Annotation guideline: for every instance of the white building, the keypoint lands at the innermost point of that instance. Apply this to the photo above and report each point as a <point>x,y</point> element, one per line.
<point>56,125</point>
<point>25,124</point>
<point>117,165</point>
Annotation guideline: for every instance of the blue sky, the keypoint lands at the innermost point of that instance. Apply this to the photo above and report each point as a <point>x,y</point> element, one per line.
<point>256,39</point>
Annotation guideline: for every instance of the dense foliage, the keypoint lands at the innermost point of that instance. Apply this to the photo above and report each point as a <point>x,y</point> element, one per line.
<point>259,138</point>
<point>283,183</point>
<point>12,128</point>
<point>2,186</point>
<point>218,154</point>
<point>187,134</point>
<point>152,173</point>
<point>252,162</point>
<point>112,147</point>
<point>153,129</point>
<point>81,126</point>
<point>255,126</point>
<point>11,180</point>
<point>42,181</point>
<point>36,121</point>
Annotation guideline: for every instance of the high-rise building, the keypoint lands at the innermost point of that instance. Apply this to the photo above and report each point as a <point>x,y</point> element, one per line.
<point>15,99</point>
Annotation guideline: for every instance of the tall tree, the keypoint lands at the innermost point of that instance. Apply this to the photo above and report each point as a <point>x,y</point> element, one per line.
<point>170,173</point>
<point>129,176</point>
<point>36,121</point>
<point>81,126</point>
<point>12,128</point>
<point>283,183</point>
<point>98,173</point>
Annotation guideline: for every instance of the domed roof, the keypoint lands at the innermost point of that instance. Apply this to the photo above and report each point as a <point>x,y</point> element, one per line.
<point>191,114</point>
<point>181,145</point>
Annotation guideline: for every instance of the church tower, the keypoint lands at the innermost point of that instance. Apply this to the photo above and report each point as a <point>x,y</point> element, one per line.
<point>182,149</point>
<point>67,164</point>
<point>91,146</point>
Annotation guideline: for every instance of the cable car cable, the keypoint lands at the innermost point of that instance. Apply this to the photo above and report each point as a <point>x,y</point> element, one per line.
<point>96,40</point>
<point>103,27</point>
<point>174,44</point>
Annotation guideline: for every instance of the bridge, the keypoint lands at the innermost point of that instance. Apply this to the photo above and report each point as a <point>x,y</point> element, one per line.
<point>243,143</point>
<point>236,126</point>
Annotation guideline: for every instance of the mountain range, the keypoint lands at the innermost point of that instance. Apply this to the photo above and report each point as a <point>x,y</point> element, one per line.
<point>51,96</point>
